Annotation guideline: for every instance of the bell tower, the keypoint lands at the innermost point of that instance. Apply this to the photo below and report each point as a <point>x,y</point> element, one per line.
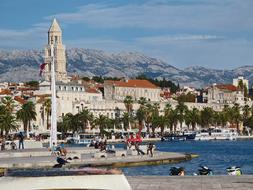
<point>55,40</point>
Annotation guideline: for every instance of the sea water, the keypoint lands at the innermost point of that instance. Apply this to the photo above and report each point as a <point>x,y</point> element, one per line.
<point>217,155</point>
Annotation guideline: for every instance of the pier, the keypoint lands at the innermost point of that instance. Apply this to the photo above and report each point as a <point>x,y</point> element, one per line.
<point>87,157</point>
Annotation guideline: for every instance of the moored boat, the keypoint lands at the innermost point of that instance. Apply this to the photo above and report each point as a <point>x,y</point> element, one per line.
<point>84,139</point>
<point>216,134</point>
<point>179,136</point>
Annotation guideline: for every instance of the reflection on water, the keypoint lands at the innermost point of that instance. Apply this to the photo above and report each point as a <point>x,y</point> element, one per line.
<point>217,155</point>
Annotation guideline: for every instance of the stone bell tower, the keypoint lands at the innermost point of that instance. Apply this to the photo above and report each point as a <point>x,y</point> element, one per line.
<point>55,39</point>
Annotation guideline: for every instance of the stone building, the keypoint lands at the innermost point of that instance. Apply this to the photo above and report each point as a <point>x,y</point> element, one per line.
<point>55,42</point>
<point>245,82</point>
<point>118,90</point>
<point>225,94</point>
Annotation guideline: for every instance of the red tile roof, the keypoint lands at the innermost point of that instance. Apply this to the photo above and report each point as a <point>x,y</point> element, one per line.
<point>132,83</point>
<point>5,92</point>
<point>91,90</point>
<point>229,87</point>
<point>19,99</point>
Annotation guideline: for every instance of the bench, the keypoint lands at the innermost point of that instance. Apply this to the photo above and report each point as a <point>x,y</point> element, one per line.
<point>100,155</point>
<point>120,153</point>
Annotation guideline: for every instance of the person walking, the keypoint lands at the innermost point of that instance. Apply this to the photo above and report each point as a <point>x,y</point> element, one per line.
<point>150,149</point>
<point>21,140</point>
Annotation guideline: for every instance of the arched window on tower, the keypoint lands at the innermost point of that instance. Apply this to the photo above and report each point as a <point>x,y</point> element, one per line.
<point>52,40</point>
<point>56,39</point>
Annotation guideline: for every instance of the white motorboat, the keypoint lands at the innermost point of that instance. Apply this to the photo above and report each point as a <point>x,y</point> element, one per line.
<point>84,139</point>
<point>216,134</point>
<point>87,178</point>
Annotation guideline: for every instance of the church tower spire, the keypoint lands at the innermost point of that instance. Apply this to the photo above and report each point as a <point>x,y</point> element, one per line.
<point>55,40</point>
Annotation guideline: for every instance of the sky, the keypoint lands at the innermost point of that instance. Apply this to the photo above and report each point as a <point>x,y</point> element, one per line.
<point>211,33</point>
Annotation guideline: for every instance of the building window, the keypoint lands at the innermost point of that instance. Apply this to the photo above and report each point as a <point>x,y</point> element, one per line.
<point>56,39</point>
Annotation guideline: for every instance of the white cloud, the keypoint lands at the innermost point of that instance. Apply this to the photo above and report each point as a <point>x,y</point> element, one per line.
<point>200,15</point>
<point>27,38</point>
<point>164,39</point>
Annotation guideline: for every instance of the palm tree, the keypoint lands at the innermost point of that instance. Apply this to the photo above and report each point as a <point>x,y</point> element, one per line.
<point>47,106</point>
<point>126,119</point>
<point>193,117</point>
<point>140,116</point>
<point>86,117</point>
<point>172,120</point>
<point>246,114</point>
<point>206,116</point>
<point>7,122</point>
<point>181,109</point>
<point>167,109</point>
<point>223,118</point>
<point>102,122</point>
<point>72,123</point>
<point>148,116</point>
<point>2,111</point>
<point>160,122</point>
<point>8,103</point>
<point>128,101</point>
<point>27,114</point>
<point>236,116</point>
<point>142,101</point>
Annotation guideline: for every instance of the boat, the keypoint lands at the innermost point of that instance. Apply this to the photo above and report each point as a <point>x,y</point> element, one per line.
<point>216,134</point>
<point>81,139</point>
<point>187,135</point>
<point>49,179</point>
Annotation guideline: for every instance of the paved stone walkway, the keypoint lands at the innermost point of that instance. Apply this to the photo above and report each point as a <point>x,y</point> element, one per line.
<point>244,182</point>
<point>30,158</point>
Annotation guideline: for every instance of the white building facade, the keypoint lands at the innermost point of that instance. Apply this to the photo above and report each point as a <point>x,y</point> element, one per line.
<point>118,90</point>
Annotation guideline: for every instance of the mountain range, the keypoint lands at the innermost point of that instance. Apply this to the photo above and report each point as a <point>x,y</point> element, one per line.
<point>23,65</point>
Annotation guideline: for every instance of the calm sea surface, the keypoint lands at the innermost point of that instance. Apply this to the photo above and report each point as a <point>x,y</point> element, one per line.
<point>217,155</point>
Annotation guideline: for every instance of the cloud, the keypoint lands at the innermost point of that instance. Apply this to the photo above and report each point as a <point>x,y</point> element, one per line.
<point>32,37</point>
<point>197,15</point>
<point>164,39</point>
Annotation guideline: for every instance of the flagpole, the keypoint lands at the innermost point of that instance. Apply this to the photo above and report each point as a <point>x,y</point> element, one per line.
<point>53,129</point>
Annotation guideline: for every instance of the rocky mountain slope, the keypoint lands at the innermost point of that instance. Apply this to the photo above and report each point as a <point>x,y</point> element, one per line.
<point>19,65</point>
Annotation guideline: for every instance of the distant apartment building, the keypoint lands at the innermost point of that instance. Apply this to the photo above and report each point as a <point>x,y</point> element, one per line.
<point>245,82</point>
<point>118,90</point>
<point>225,94</point>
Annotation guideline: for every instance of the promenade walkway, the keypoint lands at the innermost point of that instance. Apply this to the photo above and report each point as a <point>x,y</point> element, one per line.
<point>42,158</point>
<point>244,182</point>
